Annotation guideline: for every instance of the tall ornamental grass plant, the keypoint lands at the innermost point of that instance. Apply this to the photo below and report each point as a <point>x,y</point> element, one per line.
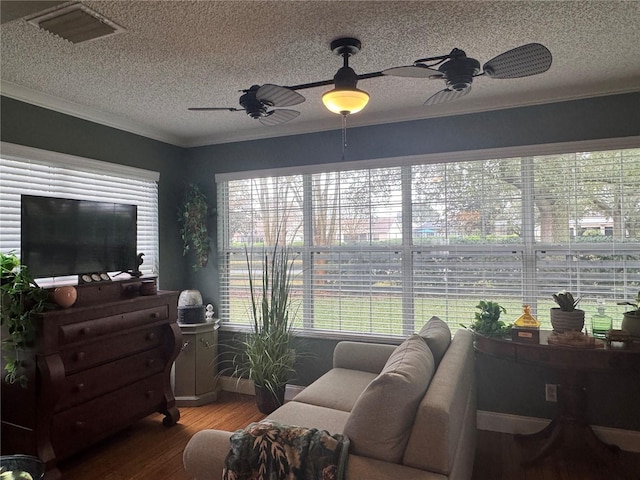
<point>268,354</point>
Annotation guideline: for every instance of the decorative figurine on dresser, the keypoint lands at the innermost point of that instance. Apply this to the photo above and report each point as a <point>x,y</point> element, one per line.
<point>97,367</point>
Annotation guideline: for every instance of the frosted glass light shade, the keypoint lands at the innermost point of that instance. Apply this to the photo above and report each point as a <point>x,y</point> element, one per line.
<point>345,101</point>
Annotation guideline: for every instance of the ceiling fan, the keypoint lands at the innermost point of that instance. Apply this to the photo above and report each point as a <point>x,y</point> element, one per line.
<point>257,101</point>
<point>458,70</point>
<point>455,68</point>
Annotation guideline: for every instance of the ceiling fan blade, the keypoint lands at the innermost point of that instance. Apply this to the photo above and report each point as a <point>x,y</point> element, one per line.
<point>277,96</point>
<point>530,59</point>
<point>212,109</point>
<point>413,71</point>
<point>446,95</point>
<point>276,117</point>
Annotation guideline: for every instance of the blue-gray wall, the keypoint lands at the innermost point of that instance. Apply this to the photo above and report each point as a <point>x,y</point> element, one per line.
<point>502,386</point>
<point>595,118</point>
<point>26,124</point>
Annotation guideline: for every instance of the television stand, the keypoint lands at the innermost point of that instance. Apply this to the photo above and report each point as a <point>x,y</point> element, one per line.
<point>97,367</point>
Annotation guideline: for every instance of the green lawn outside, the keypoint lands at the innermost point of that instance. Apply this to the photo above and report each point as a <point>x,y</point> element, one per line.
<point>356,313</point>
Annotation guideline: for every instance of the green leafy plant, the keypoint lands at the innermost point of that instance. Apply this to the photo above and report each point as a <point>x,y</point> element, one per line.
<point>565,301</point>
<point>635,305</point>
<point>21,298</point>
<point>267,354</point>
<point>487,320</point>
<point>192,216</point>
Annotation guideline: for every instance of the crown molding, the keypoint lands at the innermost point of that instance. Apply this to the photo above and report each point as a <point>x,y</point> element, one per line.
<point>392,117</point>
<point>44,100</point>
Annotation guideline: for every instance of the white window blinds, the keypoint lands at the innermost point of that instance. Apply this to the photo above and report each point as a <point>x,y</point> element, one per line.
<point>381,250</point>
<point>31,171</point>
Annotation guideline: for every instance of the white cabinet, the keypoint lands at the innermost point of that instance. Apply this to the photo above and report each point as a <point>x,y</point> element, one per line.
<point>196,367</point>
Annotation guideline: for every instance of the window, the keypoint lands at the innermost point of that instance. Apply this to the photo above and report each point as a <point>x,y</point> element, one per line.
<point>25,170</point>
<point>380,250</point>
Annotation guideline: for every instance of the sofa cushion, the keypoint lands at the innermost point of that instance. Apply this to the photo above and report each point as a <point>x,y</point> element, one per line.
<point>380,422</point>
<point>311,416</point>
<point>438,337</point>
<point>339,388</point>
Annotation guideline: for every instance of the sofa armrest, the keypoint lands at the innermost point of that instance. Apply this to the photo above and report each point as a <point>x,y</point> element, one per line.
<point>443,433</point>
<point>366,357</point>
<point>204,455</point>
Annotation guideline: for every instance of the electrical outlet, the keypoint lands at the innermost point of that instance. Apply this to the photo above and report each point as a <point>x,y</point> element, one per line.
<point>550,392</point>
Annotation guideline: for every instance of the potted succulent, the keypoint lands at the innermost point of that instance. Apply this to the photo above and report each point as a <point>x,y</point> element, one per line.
<point>631,318</point>
<point>487,321</point>
<point>21,298</point>
<point>267,355</point>
<point>566,317</point>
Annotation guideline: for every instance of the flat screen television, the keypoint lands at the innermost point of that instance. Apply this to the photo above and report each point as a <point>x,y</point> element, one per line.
<point>60,236</point>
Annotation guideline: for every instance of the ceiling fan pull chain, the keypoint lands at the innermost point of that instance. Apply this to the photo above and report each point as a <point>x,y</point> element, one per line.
<point>344,134</point>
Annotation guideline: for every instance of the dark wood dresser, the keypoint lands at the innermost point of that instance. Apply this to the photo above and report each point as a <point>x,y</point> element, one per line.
<point>97,367</point>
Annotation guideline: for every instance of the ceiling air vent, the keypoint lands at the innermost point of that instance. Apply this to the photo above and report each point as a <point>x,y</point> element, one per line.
<point>76,23</point>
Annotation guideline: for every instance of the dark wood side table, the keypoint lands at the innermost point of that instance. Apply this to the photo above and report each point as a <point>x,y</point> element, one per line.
<point>569,428</point>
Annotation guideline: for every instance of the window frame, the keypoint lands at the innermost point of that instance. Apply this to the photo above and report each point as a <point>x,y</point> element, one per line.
<point>528,248</point>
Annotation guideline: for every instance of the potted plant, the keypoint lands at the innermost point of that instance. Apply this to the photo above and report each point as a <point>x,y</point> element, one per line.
<point>487,321</point>
<point>566,317</point>
<point>267,353</point>
<point>631,318</point>
<point>192,216</point>
<point>21,298</point>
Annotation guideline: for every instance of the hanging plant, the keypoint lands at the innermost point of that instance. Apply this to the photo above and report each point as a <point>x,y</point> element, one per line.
<point>193,225</point>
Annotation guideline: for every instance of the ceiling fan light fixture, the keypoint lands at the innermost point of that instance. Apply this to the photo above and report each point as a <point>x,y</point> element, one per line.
<point>346,98</point>
<point>345,101</point>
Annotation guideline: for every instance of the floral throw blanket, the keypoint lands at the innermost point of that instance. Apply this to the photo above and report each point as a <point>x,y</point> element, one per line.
<point>270,451</point>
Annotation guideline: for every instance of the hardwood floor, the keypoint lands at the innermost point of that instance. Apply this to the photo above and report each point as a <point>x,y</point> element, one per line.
<point>150,451</point>
<point>499,457</point>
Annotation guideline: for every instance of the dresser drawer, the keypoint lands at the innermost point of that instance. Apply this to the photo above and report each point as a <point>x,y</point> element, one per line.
<point>77,427</point>
<point>88,384</point>
<point>92,329</point>
<point>112,348</point>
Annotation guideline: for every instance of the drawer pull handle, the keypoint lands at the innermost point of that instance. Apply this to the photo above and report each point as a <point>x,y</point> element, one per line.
<point>79,425</point>
<point>155,315</point>
<point>85,331</point>
<point>206,343</point>
<point>151,336</point>
<point>151,362</point>
<point>80,356</point>
<point>79,387</point>
<point>149,393</point>
<point>184,345</point>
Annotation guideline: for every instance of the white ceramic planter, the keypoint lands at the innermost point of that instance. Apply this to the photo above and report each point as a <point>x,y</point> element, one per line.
<point>631,323</point>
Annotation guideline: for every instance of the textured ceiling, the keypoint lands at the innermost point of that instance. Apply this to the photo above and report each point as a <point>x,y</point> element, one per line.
<point>179,54</point>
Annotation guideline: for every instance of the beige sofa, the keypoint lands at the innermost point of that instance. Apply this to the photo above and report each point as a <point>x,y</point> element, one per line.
<point>409,411</point>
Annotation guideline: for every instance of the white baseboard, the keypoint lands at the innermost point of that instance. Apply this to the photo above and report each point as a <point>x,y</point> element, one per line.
<point>237,385</point>
<point>628,440</point>
<point>242,385</point>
